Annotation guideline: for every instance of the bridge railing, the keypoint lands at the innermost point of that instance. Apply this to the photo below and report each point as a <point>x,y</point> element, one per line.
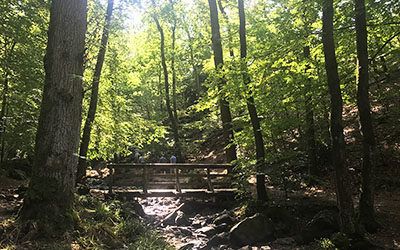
<point>176,167</point>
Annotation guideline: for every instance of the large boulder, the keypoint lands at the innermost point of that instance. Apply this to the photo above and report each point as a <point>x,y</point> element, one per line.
<point>323,225</point>
<point>218,240</point>
<point>252,230</point>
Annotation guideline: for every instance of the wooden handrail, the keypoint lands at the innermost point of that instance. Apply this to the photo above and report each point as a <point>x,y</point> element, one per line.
<point>170,165</point>
<point>175,166</point>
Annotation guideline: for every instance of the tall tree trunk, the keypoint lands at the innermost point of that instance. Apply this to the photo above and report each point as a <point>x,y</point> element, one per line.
<point>367,211</point>
<point>173,64</point>
<point>174,124</point>
<point>50,195</point>
<point>3,111</point>
<point>193,63</point>
<point>230,40</point>
<point>310,125</point>
<point>82,163</point>
<point>226,117</point>
<point>343,187</point>
<point>255,121</point>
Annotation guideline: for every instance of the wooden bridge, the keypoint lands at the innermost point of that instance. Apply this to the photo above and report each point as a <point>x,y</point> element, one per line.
<point>171,179</point>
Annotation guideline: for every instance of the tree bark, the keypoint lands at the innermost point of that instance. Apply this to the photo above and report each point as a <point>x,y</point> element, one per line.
<point>255,121</point>
<point>173,64</point>
<point>50,195</point>
<point>82,163</point>
<point>367,211</point>
<point>226,116</point>
<point>3,111</point>
<point>310,124</point>
<point>343,187</point>
<point>174,124</point>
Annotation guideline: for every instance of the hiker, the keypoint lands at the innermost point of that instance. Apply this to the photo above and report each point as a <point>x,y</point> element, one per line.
<point>141,159</point>
<point>163,159</point>
<point>172,159</point>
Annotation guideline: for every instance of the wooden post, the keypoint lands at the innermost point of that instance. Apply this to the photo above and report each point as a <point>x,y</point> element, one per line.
<point>111,180</point>
<point>178,185</point>
<point>210,185</point>
<point>145,181</point>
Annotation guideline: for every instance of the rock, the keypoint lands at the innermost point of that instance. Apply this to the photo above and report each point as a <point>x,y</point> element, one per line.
<point>255,248</point>
<point>207,230</point>
<point>170,218</point>
<point>323,225</point>
<point>197,223</point>
<point>252,230</point>
<point>181,219</point>
<point>185,231</point>
<point>209,220</point>
<point>288,241</point>
<point>187,246</point>
<point>82,189</point>
<point>222,228</point>
<point>218,240</point>
<point>224,218</point>
<point>133,208</point>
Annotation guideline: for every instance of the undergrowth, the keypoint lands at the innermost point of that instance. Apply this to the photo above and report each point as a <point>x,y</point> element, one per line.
<point>98,225</point>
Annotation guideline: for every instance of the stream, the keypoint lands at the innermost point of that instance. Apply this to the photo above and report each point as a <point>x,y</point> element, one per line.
<point>186,223</point>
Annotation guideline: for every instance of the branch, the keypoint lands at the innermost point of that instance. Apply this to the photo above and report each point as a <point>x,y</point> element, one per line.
<point>383,46</point>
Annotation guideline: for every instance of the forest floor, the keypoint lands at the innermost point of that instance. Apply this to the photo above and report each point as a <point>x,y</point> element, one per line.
<point>198,226</point>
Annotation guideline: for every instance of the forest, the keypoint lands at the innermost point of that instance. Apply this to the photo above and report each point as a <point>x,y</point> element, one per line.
<point>199,124</point>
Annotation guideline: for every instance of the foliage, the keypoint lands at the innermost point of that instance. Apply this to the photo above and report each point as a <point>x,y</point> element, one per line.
<point>131,111</point>
<point>99,225</point>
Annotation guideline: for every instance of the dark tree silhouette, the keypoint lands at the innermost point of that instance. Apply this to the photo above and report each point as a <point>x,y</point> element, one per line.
<point>82,164</point>
<point>343,187</point>
<point>226,116</point>
<point>50,195</point>
<point>255,121</point>
<point>367,211</point>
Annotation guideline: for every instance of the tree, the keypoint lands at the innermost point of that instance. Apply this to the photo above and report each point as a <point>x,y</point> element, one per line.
<point>310,123</point>
<point>367,211</point>
<point>255,121</point>
<point>226,116</point>
<point>343,191</point>
<point>50,195</point>
<point>172,118</point>
<point>3,111</point>
<point>82,163</point>
<point>173,28</point>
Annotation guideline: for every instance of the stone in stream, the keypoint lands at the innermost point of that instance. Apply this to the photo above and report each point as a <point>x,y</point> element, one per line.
<point>187,246</point>
<point>208,230</point>
<point>181,219</point>
<point>170,218</point>
<point>218,240</point>
<point>222,228</point>
<point>224,218</point>
<point>252,230</point>
<point>185,231</point>
<point>255,248</point>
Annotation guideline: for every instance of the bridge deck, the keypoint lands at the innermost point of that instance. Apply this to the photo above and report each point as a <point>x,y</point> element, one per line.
<point>196,193</point>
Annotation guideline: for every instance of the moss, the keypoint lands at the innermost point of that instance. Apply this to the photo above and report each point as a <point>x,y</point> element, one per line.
<point>97,225</point>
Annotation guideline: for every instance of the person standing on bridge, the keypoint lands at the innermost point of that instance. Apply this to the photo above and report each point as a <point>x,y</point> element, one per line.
<point>172,159</point>
<point>141,159</point>
<point>163,159</point>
